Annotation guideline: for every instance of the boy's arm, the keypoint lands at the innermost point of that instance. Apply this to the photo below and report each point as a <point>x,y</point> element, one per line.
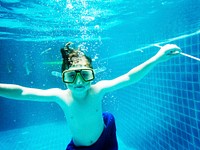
<point>137,73</point>
<point>18,92</point>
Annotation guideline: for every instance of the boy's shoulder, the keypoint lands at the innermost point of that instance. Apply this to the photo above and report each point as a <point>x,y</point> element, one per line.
<point>97,87</point>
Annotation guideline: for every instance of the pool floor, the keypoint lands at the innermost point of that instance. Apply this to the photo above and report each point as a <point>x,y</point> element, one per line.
<point>54,136</point>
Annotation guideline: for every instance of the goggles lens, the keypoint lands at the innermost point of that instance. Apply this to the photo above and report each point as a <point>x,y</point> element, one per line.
<point>69,76</point>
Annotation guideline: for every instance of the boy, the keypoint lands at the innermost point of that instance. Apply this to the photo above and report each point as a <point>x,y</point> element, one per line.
<point>91,129</point>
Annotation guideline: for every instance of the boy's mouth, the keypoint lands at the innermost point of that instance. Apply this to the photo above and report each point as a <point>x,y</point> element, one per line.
<point>79,87</point>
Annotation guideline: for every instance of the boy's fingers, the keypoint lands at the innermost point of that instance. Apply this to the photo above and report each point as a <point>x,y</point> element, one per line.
<point>174,52</point>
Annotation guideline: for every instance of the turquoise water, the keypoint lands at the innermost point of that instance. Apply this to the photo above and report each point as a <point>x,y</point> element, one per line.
<point>160,112</point>
<point>45,136</point>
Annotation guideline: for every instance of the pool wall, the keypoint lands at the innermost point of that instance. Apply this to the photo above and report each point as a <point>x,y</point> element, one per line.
<point>162,111</point>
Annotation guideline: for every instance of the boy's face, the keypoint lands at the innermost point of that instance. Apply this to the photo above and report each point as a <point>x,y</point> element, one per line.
<point>78,78</point>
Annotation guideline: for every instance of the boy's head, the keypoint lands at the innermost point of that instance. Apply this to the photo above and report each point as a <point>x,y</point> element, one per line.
<point>76,68</point>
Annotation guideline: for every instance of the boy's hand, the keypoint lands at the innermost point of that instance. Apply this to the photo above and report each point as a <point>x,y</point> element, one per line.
<point>166,52</point>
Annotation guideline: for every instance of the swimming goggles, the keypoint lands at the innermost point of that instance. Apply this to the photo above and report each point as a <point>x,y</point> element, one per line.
<point>69,76</point>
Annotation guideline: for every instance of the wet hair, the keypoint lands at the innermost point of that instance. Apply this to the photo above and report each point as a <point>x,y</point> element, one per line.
<point>72,56</point>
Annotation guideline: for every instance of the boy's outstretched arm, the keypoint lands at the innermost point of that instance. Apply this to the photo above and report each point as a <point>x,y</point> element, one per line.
<point>165,53</point>
<point>18,92</point>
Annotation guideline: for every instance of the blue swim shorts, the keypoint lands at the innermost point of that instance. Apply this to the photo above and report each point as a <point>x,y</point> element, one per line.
<point>107,140</point>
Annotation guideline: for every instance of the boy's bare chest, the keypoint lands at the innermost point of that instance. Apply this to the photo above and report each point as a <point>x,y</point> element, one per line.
<point>84,108</point>
<point>85,117</point>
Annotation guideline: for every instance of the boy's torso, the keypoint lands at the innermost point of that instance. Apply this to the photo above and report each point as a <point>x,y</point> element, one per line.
<point>84,117</point>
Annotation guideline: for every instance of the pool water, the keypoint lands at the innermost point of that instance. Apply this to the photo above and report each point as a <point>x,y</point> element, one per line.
<point>160,112</point>
<point>45,136</point>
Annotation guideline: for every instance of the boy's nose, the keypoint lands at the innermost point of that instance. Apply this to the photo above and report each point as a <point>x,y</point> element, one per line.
<point>79,80</point>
